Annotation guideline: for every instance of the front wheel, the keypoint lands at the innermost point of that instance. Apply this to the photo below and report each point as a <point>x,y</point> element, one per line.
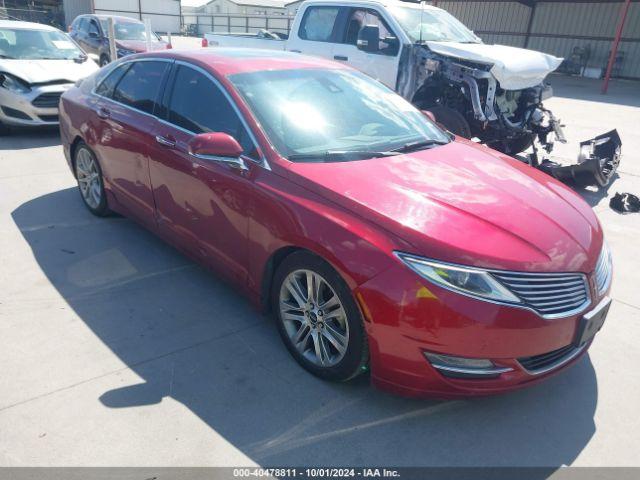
<point>90,183</point>
<point>318,319</point>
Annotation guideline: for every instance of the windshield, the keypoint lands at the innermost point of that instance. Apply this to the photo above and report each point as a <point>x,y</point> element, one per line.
<point>23,44</point>
<point>127,30</point>
<point>308,113</point>
<point>431,25</point>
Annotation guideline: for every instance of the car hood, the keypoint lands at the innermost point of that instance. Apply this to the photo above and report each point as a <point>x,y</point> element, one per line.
<point>44,71</point>
<point>514,68</point>
<point>464,203</point>
<point>140,46</point>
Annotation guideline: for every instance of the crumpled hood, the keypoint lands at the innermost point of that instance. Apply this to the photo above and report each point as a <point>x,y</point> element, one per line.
<point>464,203</point>
<point>140,46</point>
<point>514,68</point>
<point>42,71</point>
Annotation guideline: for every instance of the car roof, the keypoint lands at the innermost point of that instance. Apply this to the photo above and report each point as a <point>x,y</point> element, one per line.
<point>118,18</point>
<point>228,61</point>
<point>26,25</point>
<point>385,3</point>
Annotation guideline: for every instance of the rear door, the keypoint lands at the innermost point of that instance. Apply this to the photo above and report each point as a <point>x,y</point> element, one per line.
<point>203,205</point>
<point>128,99</point>
<point>318,30</point>
<point>381,65</point>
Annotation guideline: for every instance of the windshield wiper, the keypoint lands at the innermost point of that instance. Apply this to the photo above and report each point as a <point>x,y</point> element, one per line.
<point>419,145</point>
<point>339,155</point>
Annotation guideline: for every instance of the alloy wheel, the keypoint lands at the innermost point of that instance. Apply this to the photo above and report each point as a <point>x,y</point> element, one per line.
<point>314,318</point>
<point>88,178</point>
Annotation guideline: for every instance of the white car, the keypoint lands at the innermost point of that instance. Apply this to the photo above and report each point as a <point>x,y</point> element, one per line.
<point>38,64</point>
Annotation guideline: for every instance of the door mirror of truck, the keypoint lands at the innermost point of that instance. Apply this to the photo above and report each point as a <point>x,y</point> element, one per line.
<point>217,147</point>
<point>369,39</point>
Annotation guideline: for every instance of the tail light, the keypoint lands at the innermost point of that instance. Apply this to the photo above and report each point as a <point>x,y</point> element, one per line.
<point>205,42</point>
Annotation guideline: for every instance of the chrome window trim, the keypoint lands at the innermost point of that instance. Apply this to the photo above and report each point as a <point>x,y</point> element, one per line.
<point>472,371</point>
<point>262,161</point>
<point>579,309</point>
<point>557,364</point>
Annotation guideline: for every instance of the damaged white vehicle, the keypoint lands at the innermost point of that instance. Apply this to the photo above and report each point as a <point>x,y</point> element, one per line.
<point>491,92</point>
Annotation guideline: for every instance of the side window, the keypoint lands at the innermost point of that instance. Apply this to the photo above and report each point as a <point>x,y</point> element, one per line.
<point>106,87</point>
<point>198,105</point>
<point>83,25</point>
<point>360,18</point>
<point>318,23</point>
<point>93,27</point>
<point>140,85</point>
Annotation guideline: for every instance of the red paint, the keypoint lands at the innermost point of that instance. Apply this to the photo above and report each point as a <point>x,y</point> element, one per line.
<point>461,203</point>
<point>216,144</point>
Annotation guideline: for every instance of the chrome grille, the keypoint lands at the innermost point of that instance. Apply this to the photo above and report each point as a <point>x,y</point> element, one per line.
<point>552,295</point>
<point>47,100</point>
<point>603,270</point>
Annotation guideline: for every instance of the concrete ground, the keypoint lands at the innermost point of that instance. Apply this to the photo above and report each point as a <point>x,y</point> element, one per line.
<point>117,350</point>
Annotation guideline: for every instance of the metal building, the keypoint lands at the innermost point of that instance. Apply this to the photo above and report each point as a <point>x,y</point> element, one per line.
<point>165,15</point>
<point>580,31</point>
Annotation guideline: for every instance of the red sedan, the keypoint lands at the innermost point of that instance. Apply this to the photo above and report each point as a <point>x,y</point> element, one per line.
<point>378,240</point>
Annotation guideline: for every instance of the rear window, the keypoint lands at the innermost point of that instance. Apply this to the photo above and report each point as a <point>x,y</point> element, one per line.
<point>318,23</point>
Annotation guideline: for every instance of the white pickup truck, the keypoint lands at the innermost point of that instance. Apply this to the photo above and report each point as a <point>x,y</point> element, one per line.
<point>492,92</point>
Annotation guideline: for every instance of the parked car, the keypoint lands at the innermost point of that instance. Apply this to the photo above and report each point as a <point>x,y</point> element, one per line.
<point>492,92</point>
<point>377,239</point>
<point>37,64</point>
<point>92,33</point>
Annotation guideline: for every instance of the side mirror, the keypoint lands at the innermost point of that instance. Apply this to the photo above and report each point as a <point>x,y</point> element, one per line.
<point>217,147</point>
<point>369,39</point>
<point>93,34</point>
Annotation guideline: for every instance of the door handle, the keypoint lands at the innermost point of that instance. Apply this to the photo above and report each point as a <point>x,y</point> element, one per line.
<point>103,112</point>
<point>165,141</point>
<point>296,51</point>
<point>340,57</point>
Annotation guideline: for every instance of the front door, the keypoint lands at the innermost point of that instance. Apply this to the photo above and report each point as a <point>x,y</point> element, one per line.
<point>202,205</point>
<point>381,65</point>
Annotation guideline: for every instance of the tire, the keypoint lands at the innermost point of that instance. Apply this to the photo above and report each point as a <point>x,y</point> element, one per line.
<point>514,145</point>
<point>452,120</point>
<point>90,181</point>
<point>336,333</point>
<point>104,60</point>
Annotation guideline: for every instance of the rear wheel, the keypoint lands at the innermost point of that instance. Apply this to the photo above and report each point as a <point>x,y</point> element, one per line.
<point>318,319</point>
<point>90,183</point>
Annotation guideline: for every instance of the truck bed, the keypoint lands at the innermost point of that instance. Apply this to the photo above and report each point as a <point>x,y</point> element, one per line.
<point>244,40</point>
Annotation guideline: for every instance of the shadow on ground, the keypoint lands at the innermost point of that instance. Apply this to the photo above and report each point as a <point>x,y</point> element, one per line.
<point>26,138</point>
<point>621,92</point>
<point>192,338</point>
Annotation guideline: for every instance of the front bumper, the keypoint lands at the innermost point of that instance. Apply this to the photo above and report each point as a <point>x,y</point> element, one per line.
<point>38,107</point>
<point>406,316</point>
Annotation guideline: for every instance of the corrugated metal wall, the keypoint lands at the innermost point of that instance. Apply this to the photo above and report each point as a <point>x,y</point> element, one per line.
<point>165,15</point>
<point>557,28</point>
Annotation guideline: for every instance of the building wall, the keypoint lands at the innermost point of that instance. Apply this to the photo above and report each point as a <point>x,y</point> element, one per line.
<point>556,28</point>
<point>165,15</point>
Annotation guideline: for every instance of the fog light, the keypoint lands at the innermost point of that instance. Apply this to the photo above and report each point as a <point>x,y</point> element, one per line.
<point>460,367</point>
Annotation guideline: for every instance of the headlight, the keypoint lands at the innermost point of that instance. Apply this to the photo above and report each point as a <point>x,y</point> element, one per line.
<point>470,281</point>
<point>13,84</point>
